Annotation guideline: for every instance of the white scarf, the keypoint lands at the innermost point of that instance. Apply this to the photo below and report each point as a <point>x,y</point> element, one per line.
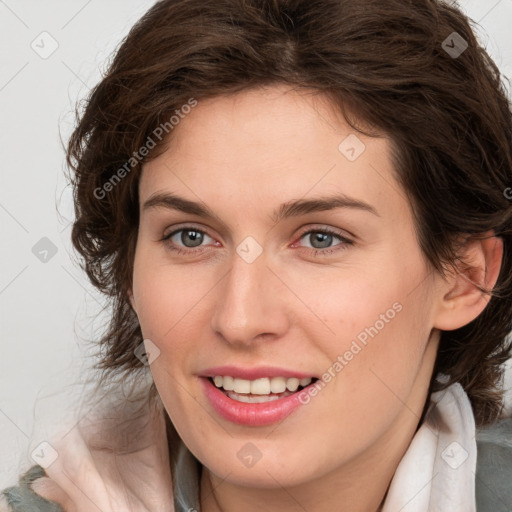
<point>437,473</point>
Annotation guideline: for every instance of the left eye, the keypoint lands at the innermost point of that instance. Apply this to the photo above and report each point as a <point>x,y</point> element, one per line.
<point>321,240</point>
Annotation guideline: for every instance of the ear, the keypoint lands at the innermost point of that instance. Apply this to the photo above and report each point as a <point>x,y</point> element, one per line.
<point>460,299</point>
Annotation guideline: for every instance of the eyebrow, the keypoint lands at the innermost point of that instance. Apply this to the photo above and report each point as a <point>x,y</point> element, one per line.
<point>286,210</point>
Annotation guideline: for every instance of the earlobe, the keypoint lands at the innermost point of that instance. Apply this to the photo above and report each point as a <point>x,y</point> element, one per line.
<point>462,298</point>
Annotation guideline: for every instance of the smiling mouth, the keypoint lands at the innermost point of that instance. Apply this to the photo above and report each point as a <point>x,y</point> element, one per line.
<point>260,390</point>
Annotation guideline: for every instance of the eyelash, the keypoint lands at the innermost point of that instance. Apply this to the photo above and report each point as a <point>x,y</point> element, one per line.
<point>315,252</point>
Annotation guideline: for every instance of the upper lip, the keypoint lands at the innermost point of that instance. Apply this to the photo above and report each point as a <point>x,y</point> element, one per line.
<point>255,372</point>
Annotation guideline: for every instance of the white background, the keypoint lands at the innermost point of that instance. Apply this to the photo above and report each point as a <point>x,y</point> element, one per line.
<point>47,308</point>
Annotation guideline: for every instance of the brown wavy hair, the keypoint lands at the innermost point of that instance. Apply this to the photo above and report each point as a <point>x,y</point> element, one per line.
<point>384,65</point>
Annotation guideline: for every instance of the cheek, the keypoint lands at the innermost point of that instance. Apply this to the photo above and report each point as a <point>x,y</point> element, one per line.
<point>382,351</point>
<point>168,296</point>
<point>373,325</point>
<point>168,303</point>
<point>354,304</point>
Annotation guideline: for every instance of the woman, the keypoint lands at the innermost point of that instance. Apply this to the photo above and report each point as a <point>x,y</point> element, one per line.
<point>300,212</point>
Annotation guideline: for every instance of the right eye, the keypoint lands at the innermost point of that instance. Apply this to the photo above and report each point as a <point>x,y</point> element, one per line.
<point>190,238</point>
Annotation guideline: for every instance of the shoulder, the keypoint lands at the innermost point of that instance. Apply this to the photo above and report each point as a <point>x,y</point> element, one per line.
<point>493,484</point>
<point>22,497</point>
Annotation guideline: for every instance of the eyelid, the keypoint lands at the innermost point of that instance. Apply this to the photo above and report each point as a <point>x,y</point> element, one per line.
<point>343,235</point>
<point>186,225</point>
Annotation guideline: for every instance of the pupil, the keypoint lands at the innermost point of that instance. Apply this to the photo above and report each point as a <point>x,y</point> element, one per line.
<point>195,236</point>
<point>322,238</point>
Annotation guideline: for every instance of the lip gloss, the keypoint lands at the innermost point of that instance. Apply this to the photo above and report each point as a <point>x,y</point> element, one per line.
<point>250,414</point>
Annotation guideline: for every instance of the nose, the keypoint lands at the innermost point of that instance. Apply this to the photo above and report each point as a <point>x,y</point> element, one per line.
<point>250,303</point>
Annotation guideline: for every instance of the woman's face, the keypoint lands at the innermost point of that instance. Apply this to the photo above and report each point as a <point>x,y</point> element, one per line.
<point>273,286</point>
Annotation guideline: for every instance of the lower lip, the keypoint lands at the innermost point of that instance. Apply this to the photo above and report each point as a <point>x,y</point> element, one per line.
<point>255,415</point>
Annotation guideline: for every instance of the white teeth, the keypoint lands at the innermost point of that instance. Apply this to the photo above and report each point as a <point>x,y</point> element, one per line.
<point>252,399</point>
<point>293,384</point>
<point>260,387</point>
<point>228,383</point>
<point>278,384</point>
<point>242,386</point>
<point>263,386</point>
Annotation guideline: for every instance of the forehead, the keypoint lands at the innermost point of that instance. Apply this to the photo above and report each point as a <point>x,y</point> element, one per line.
<point>267,146</point>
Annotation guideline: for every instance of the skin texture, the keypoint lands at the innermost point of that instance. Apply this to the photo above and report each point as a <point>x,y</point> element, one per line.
<point>243,156</point>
